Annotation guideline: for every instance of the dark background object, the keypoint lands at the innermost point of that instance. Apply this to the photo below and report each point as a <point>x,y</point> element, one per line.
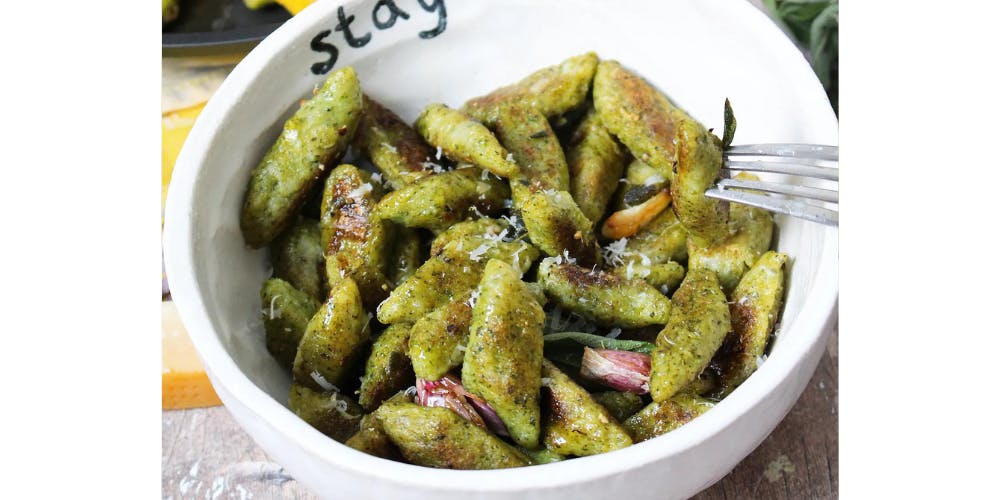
<point>219,27</point>
<point>815,25</point>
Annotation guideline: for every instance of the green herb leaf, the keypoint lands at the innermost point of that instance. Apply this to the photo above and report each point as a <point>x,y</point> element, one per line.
<point>567,347</point>
<point>729,127</point>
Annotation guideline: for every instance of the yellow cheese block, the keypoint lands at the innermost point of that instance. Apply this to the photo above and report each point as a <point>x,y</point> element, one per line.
<point>175,126</point>
<point>295,6</point>
<point>185,384</point>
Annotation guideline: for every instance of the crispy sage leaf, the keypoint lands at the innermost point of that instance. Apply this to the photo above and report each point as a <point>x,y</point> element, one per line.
<point>729,121</point>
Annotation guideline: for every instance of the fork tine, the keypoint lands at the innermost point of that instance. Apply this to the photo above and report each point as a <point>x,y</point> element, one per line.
<point>783,168</point>
<point>795,208</point>
<point>800,191</point>
<point>815,151</point>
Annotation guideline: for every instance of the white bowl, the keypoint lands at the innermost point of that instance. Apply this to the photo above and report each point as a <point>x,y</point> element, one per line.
<point>699,52</point>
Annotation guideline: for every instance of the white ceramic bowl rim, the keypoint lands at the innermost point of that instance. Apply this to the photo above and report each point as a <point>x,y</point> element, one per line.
<point>814,316</point>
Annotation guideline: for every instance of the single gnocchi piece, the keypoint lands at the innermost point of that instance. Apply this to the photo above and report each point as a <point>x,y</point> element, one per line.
<point>330,412</point>
<point>557,226</point>
<point>503,361</point>
<point>439,437</point>
<point>659,418</point>
<point>314,138</point>
<point>750,235</point>
<point>699,163</point>
<point>373,440</point>
<point>393,146</point>
<point>596,161</point>
<point>388,369</point>
<point>575,424</point>
<point>463,139</point>
<point>754,308</point>
<point>553,91</point>
<point>285,311</point>
<point>620,405</point>
<point>533,145</point>
<point>356,243</point>
<point>640,116</point>
<point>483,226</point>
<point>438,201</point>
<point>334,340</point>
<point>439,339</point>
<point>601,296</point>
<point>450,274</point>
<point>664,277</point>
<point>407,255</point>
<point>697,326</point>
<point>436,282</point>
<point>297,257</point>
<point>663,240</point>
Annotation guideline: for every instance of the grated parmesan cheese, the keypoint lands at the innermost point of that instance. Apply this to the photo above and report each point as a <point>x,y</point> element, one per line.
<point>760,360</point>
<point>615,253</point>
<point>613,334</point>
<point>477,253</point>
<point>434,167</point>
<point>341,405</point>
<point>653,180</point>
<point>390,147</point>
<point>272,316</point>
<point>357,193</point>
<point>569,260</point>
<point>510,157</point>
<point>437,155</point>
<point>318,378</point>
<point>473,298</point>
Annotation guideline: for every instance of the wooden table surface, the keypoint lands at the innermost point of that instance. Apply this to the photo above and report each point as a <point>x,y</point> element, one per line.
<point>207,455</point>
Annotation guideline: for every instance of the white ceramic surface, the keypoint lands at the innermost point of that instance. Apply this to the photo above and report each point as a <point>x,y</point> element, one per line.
<point>699,52</point>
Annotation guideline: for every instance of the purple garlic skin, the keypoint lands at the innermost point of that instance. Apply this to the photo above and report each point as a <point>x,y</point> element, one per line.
<point>620,370</point>
<point>448,392</point>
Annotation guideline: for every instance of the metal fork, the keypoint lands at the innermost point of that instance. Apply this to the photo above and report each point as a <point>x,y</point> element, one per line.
<point>802,160</point>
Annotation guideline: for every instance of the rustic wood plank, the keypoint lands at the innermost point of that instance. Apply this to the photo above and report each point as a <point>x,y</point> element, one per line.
<point>205,454</point>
